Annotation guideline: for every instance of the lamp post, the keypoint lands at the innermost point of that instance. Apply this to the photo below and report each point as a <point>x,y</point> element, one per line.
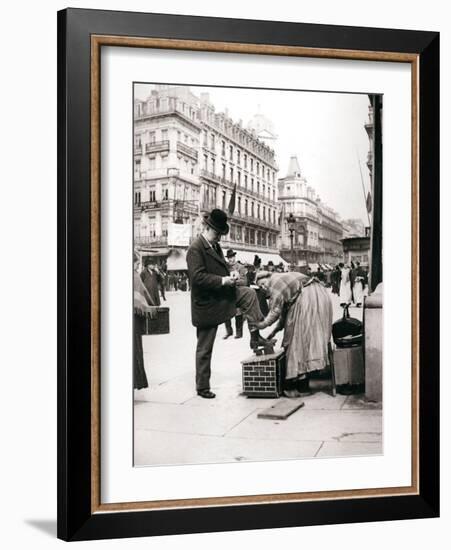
<point>291,222</point>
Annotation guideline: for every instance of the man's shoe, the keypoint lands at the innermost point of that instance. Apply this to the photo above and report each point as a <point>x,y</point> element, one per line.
<point>227,335</point>
<point>206,394</point>
<point>258,341</point>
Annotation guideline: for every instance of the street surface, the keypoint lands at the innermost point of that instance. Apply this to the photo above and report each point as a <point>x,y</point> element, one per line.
<point>173,425</point>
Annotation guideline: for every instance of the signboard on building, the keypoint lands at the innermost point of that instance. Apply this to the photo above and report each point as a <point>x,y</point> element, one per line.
<point>179,234</point>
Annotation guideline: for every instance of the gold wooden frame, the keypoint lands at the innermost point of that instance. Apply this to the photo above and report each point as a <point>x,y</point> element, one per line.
<point>97,41</point>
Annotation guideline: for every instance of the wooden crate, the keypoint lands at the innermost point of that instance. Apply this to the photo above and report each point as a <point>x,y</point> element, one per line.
<point>349,366</point>
<point>263,375</point>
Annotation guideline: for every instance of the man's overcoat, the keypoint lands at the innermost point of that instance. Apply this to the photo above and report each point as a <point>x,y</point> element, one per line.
<point>211,303</point>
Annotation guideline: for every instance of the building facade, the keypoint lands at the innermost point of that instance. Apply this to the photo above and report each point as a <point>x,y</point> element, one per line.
<point>189,159</point>
<point>318,230</point>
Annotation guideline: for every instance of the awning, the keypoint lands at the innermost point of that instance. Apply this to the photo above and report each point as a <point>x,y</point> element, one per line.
<point>154,251</point>
<point>302,263</point>
<point>247,257</point>
<point>243,256</point>
<point>313,267</point>
<point>177,260</point>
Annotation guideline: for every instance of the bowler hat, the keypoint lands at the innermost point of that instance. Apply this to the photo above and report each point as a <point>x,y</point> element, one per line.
<point>217,219</point>
<point>230,253</point>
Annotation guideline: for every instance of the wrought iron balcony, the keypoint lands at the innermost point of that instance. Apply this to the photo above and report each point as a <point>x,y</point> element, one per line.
<point>187,150</point>
<point>157,146</point>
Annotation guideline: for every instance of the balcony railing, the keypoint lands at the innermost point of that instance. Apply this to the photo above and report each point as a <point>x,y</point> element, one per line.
<point>187,150</point>
<point>157,146</point>
<point>138,149</point>
<point>152,241</point>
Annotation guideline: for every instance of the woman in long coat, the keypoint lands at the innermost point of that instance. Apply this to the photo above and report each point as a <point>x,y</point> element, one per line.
<point>304,309</point>
<point>141,303</point>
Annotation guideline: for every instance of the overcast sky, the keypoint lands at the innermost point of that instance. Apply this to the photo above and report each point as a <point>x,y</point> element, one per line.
<point>324,130</point>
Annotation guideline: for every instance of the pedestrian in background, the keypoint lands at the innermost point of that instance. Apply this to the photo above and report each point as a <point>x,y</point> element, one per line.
<point>345,285</point>
<point>241,280</point>
<point>141,302</point>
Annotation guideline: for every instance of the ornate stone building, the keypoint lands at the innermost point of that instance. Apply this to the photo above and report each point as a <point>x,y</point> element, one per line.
<point>318,230</point>
<point>188,159</point>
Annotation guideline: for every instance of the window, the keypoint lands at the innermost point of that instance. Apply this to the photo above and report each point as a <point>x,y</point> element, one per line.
<point>223,171</point>
<point>138,197</point>
<point>164,135</point>
<point>258,187</point>
<point>213,166</point>
<point>165,193</point>
<point>264,190</point>
<point>205,162</point>
<point>152,195</point>
<point>152,163</point>
<point>258,168</point>
<point>245,162</point>
<point>231,152</point>
<point>264,214</point>
<point>212,141</point>
<point>223,200</point>
<point>245,182</point>
<point>267,174</point>
<point>258,211</point>
<point>205,139</point>
<point>252,185</point>
<point>246,207</point>
<point>238,174</point>
<point>151,137</point>
<point>238,157</point>
<point>231,175</point>
<point>252,165</point>
<point>223,152</point>
<point>239,205</point>
<point>252,210</point>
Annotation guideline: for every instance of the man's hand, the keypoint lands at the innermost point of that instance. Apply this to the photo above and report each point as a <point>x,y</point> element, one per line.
<point>152,312</point>
<point>228,281</point>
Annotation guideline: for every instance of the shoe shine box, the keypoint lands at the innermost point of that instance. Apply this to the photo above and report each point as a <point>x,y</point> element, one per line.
<point>263,375</point>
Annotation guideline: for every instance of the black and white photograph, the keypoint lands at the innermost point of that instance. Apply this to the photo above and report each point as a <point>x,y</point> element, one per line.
<point>257,274</point>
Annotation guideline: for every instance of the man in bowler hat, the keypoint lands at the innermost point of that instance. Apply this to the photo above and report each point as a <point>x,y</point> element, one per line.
<point>215,296</point>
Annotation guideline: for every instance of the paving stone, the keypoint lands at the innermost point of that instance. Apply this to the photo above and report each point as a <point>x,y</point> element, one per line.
<point>185,419</point>
<point>350,448</point>
<point>153,448</point>
<point>314,425</point>
<point>360,402</point>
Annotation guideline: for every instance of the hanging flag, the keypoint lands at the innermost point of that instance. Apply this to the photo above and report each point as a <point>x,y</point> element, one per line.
<point>231,208</point>
<point>281,214</point>
<point>369,203</point>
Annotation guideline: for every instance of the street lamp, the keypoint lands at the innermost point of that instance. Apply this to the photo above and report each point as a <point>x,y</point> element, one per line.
<point>291,222</point>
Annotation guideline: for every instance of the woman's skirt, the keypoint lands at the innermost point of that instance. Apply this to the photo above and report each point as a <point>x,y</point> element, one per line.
<point>345,293</point>
<point>139,374</point>
<point>358,292</point>
<point>308,329</point>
